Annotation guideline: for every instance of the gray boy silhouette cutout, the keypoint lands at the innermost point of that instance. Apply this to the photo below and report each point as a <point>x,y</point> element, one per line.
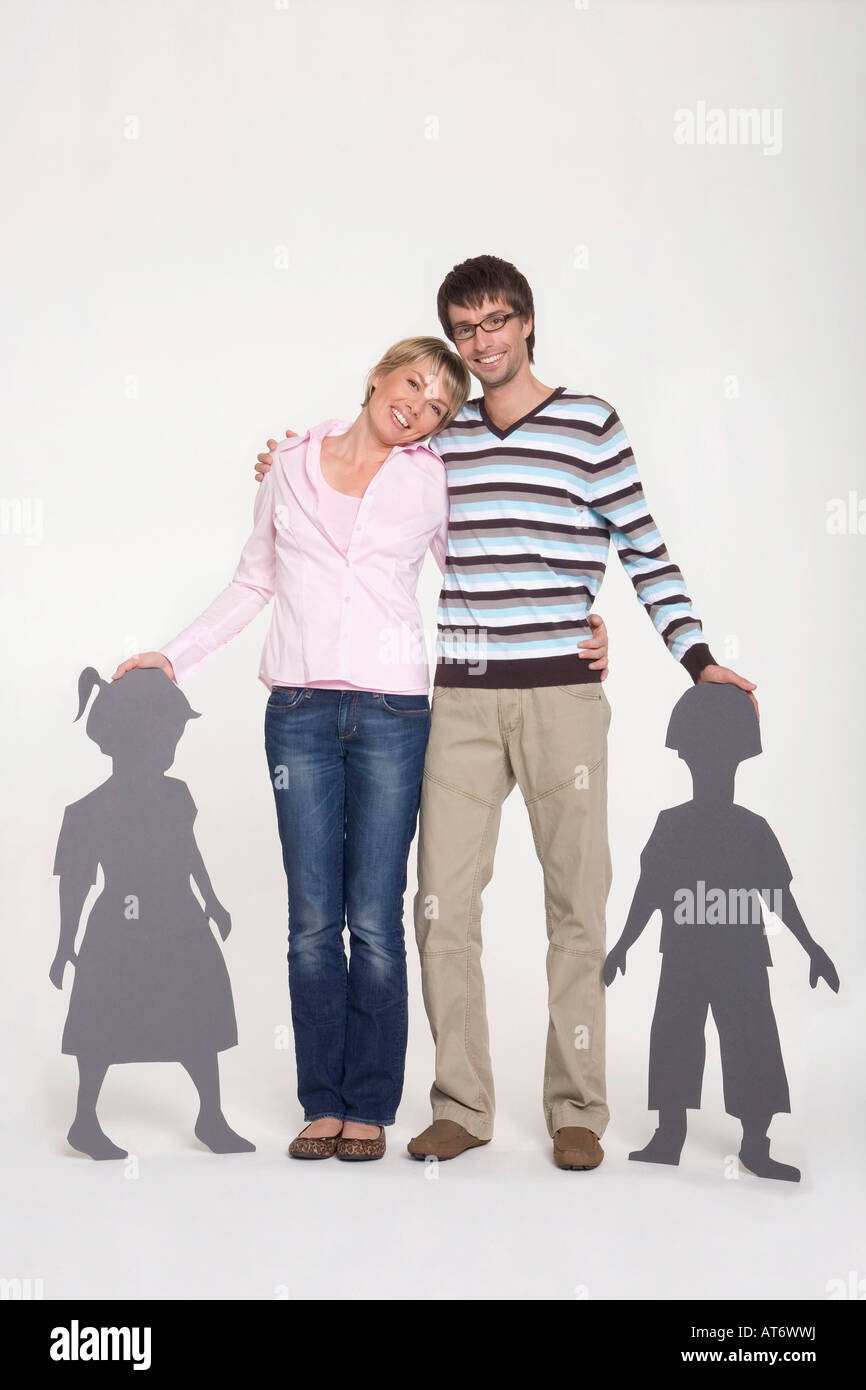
<point>150,981</point>
<point>711,866</point>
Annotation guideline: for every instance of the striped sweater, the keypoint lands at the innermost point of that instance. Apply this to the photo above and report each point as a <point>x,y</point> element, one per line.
<point>533,509</point>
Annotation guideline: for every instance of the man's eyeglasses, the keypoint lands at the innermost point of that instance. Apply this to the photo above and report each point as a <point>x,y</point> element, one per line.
<point>462,331</point>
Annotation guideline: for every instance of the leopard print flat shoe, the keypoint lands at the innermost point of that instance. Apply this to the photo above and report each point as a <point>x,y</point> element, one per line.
<point>361,1150</point>
<point>306,1147</point>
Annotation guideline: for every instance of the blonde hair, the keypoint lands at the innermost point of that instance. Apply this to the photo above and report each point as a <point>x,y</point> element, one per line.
<point>445,362</point>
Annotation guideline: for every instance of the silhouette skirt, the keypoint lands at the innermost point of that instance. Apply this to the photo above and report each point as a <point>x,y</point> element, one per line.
<point>151,989</point>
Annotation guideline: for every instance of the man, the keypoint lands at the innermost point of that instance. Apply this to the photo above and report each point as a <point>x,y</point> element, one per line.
<point>539,481</point>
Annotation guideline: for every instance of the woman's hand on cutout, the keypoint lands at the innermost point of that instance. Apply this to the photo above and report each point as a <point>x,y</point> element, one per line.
<point>145,659</point>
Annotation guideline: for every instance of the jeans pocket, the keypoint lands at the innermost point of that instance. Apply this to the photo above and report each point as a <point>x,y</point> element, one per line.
<point>411,706</point>
<point>285,697</point>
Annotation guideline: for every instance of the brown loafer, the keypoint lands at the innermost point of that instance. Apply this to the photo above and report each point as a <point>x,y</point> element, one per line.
<point>305,1147</point>
<point>576,1148</point>
<point>443,1139</point>
<point>361,1150</point>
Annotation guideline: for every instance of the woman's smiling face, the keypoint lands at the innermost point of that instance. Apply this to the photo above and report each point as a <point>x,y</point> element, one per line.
<point>408,403</point>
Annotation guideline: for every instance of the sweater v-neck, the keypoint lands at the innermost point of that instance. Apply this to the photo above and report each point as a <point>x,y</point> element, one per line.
<point>503,434</point>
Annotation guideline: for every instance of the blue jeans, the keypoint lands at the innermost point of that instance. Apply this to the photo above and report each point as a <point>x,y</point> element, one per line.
<point>346,768</point>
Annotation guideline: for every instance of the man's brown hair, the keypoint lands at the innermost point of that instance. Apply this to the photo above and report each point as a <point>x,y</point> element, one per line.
<point>486,277</point>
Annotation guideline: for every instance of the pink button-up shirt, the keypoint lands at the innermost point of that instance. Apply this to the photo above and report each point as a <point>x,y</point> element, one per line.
<point>345,617</point>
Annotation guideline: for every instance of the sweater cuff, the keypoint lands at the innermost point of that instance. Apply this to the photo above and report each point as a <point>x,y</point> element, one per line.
<point>696,658</point>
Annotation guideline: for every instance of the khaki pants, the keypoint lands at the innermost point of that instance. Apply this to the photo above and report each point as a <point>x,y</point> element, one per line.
<point>551,741</point>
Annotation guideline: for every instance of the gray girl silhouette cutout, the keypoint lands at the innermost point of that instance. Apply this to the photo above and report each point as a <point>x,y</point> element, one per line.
<point>150,981</point>
<point>712,868</point>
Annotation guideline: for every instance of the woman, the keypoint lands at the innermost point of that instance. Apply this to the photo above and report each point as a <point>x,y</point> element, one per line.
<point>342,524</point>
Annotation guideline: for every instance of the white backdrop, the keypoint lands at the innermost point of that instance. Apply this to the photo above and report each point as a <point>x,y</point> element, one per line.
<point>216,217</point>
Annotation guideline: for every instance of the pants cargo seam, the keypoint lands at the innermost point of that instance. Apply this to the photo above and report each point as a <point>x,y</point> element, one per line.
<point>531,800</point>
<point>449,786</point>
<point>573,951</point>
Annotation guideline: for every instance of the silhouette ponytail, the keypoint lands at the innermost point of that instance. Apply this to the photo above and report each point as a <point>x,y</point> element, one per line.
<point>86,681</point>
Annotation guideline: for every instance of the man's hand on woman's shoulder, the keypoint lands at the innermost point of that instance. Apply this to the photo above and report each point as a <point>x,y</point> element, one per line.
<point>264,461</point>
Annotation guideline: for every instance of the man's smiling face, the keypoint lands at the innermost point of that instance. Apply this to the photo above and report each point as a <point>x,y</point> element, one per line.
<point>493,357</point>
